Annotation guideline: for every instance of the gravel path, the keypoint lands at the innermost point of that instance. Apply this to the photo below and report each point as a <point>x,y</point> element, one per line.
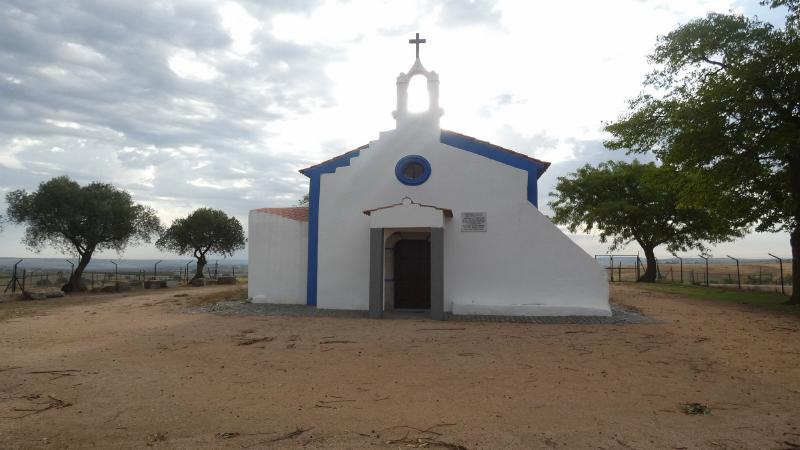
<point>620,315</point>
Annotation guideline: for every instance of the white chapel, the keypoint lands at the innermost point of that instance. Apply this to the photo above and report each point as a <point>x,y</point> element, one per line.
<point>423,219</point>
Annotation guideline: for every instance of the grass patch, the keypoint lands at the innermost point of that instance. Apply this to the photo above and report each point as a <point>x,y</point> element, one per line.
<point>771,300</point>
<point>695,409</point>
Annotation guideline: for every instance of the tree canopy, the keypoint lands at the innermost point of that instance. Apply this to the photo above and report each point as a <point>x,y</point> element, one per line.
<point>637,202</point>
<point>204,231</point>
<point>80,219</point>
<point>304,201</point>
<point>723,103</point>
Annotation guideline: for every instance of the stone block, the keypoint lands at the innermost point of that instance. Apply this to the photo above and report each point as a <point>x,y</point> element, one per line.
<point>226,280</point>
<point>33,295</point>
<point>155,284</point>
<point>41,294</point>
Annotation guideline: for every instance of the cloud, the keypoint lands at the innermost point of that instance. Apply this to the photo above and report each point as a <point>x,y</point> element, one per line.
<point>129,86</point>
<point>468,12</point>
<point>218,103</point>
<point>154,97</point>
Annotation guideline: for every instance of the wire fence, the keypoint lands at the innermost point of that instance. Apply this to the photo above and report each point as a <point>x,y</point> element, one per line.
<point>774,274</point>
<point>17,279</point>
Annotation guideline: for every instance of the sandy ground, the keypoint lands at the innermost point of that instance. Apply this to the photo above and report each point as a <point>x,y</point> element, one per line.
<point>137,371</point>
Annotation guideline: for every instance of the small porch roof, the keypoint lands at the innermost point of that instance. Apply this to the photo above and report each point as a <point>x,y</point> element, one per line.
<point>408,214</point>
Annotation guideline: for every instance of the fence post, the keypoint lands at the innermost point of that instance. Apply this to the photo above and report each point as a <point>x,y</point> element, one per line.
<point>738,274</point>
<point>780,261</point>
<point>706,260</point>
<point>187,271</point>
<point>611,269</point>
<point>116,275</point>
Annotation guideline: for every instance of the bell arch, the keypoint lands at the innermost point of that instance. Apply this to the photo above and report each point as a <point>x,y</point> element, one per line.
<point>401,114</point>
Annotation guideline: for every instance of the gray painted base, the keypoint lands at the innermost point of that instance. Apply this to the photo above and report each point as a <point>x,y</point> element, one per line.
<point>437,273</point>
<point>619,315</point>
<point>376,273</point>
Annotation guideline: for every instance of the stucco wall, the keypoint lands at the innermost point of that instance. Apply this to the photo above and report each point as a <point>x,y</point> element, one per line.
<point>278,258</point>
<point>522,264</point>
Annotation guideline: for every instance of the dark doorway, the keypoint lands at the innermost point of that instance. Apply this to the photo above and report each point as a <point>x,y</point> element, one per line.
<point>412,274</point>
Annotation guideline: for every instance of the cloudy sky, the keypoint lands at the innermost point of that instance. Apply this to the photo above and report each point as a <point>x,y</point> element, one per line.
<point>219,103</point>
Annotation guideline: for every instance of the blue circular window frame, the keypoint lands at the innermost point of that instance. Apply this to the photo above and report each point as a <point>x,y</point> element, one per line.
<point>426,172</point>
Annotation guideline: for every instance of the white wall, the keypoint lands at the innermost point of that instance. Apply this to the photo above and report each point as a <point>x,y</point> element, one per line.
<point>277,258</point>
<point>522,264</point>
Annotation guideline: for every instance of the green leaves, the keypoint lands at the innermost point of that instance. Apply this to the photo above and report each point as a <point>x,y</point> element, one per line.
<point>638,202</point>
<point>727,110</point>
<point>204,230</point>
<point>78,219</point>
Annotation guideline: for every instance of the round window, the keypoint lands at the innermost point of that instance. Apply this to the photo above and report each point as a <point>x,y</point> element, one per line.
<point>413,170</point>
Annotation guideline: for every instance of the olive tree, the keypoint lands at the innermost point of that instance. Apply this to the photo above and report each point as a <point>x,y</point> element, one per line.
<point>203,231</point>
<point>723,103</point>
<point>635,202</point>
<point>80,219</point>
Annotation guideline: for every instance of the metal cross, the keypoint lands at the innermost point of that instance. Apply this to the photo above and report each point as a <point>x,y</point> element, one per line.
<point>416,42</point>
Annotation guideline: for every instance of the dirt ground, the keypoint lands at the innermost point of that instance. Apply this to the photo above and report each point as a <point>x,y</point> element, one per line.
<point>137,371</point>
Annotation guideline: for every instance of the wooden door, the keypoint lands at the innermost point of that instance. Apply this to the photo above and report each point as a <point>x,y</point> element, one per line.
<point>412,274</point>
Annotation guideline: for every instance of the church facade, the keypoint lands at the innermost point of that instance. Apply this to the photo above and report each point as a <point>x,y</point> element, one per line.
<point>425,219</point>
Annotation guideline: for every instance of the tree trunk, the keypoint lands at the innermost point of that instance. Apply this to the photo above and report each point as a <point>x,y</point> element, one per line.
<point>75,283</point>
<point>795,242</point>
<point>649,275</point>
<point>201,264</point>
<point>794,237</point>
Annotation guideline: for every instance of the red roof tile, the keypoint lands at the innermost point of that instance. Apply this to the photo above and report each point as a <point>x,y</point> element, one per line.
<point>299,213</point>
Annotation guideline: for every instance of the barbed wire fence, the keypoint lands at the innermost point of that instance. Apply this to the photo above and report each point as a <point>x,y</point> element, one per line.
<point>772,273</point>
<point>20,278</point>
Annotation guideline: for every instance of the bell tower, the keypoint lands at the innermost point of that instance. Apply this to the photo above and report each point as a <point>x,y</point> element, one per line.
<point>401,115</point>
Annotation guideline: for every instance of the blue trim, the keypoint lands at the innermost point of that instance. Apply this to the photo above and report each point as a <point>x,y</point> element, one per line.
<point>331,165</point>
<point>426,172</point>
<point>314,173</point>
<point>535,169</point>
<point>313,241</point>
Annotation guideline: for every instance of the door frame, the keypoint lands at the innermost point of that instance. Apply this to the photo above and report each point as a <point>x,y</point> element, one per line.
<point>378,259</point>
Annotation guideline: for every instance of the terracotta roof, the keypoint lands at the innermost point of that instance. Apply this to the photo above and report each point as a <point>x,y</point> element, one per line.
<point>298,213</point>
<point>502,149</point>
